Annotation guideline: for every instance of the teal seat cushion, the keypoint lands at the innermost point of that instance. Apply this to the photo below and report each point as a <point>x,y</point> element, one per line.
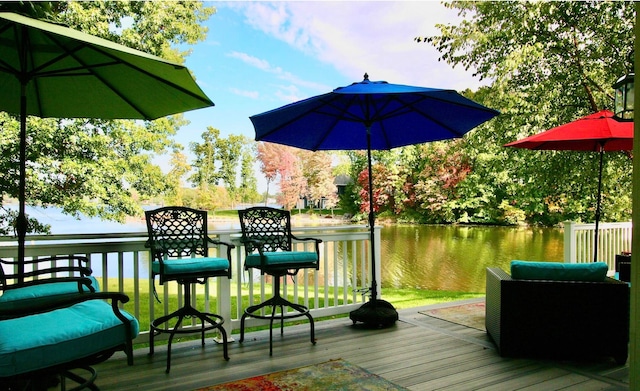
<point>43,340</point>
<point>191,265</point>
<point>283,259</point>
<point>44,290</point>
<point>558,271</point>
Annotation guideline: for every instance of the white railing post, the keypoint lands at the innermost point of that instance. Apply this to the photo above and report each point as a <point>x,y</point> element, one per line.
<point>569,242</point>
<point>223,290</point>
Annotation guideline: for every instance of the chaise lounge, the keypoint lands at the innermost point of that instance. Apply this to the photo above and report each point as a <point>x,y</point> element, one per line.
<point>556,310</point>
<point>52,325</point>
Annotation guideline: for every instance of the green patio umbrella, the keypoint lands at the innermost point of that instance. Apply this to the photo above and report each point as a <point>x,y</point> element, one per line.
<point>49,70</point>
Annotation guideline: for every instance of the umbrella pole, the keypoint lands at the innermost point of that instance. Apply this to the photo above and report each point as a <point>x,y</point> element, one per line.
<point>372,222</point>
<point>376,312</point>
<point>21,223</point>
<point>595,246</point>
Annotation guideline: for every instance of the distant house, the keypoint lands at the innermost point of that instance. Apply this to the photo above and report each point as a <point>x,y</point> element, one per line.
<point>341,183</point>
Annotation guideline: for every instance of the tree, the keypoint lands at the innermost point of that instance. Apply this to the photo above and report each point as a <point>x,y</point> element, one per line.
<point>268,155</point>
<point>548,63</point>
<point>248,189</point>
<point>205,176</point>
<point>316,168</point>
<point>292,181</point>
<point>179,168</point>
<point>229,153</point>
<point>90,166</point>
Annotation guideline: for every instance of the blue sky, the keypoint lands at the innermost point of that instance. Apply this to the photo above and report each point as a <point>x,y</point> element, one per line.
<point>261,55</point>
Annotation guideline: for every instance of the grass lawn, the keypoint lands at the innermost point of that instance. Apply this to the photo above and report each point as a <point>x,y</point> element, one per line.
<point>400,298</point>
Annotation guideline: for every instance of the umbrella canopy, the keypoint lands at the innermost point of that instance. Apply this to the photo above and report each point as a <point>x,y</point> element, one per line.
<point>598,132</point>
<point>48,70</point>
<point>594,132</point>
<point>371,115</point>
<point>392,115</point>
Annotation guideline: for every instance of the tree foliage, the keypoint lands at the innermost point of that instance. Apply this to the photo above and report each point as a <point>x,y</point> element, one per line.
<point>547,63</point>
<point>217,163</point>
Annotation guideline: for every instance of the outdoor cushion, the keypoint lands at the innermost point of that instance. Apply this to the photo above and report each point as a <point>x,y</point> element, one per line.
<point>43,340</point>
<point>48,289</point>
<point>558,271</point>
<point>191,265</point>
<point>282,258</point>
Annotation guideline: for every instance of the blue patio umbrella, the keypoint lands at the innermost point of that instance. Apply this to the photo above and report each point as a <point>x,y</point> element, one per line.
<point>371,115</point>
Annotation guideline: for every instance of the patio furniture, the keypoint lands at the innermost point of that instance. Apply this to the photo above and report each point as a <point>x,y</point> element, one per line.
<point>268,243</point>
<point>179,246</point>
<point>561,319</point>
<point>71,274</point>
<point>623,266</point>
<point>53,325</point>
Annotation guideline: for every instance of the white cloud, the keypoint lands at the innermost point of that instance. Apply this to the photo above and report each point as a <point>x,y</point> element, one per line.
<point>277,71</point>
<point>251,60</point>
<point>364,36</point>
<point>244,93</point>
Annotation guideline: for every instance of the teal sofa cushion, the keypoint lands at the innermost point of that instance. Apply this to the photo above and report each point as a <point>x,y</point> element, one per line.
<point>44,290</point>
<point>191,265</point>
<point>558,271</point>
<point>281,258</point>
<point>43,340</point>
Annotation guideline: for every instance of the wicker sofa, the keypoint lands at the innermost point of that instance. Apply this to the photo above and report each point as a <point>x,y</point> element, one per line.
<point>557,319</point>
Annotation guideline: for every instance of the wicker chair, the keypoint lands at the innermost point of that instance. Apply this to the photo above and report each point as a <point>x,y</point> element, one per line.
<point>179,248</point>
<point>268,243</point>
<point>557,319</point>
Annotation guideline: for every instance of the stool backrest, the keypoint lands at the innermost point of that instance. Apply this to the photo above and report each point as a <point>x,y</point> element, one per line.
<point>177,232</point>
<point>270,226</point>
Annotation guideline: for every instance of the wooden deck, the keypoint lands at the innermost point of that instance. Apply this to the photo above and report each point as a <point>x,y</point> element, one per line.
<point>419,352</point>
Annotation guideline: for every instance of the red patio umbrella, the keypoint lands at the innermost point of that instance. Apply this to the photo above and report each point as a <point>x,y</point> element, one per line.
<point>597,132</point>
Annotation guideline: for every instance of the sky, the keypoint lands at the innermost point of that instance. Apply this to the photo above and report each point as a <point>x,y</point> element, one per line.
<point>261,55</point>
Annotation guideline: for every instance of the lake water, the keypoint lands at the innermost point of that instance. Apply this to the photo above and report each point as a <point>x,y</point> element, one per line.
<point>437,257</point>
<point>442,257</point>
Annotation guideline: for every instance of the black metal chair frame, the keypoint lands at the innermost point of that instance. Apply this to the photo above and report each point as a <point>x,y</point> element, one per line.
<point>266,229</point>
<point>181,232</point>
<point>77,269</point>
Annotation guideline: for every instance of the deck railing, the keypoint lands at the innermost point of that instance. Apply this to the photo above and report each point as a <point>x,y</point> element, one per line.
<point>579,240</point>
<point>120,262</point>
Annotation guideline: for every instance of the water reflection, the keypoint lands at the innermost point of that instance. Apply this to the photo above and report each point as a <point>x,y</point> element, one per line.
<point>455,257</point>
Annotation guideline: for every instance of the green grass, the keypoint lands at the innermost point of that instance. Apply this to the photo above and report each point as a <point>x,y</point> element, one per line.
<point>410,298</point>
<point>400,298</point>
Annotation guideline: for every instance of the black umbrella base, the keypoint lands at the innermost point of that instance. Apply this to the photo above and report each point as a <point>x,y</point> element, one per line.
<point>378,313</point>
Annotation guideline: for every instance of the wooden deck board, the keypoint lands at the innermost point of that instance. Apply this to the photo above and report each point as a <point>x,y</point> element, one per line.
<point>419,352</point>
